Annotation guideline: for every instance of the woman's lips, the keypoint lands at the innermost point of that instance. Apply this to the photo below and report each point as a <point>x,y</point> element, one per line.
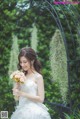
<point>24,68</point>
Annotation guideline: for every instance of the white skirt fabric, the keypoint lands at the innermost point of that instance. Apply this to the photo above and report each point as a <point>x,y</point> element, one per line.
<point>28,109</point>
<point>31,111</point>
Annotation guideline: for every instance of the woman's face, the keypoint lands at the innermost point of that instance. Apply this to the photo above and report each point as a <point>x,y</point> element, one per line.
<point>24,63</point>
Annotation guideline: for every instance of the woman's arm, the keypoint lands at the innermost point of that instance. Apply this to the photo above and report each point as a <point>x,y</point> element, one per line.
<point>16,87</point>
<point>40,96</point>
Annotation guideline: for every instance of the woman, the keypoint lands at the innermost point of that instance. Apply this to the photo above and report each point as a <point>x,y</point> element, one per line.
<point>31,92</point>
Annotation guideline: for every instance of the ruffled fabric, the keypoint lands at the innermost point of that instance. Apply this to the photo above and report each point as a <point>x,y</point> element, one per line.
<point>28,109</point>
<point>31,111</point>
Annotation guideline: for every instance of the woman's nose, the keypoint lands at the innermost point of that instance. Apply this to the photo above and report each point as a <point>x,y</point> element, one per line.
<point>22,65</point>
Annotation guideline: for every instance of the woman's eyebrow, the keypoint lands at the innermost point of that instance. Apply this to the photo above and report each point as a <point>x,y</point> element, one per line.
<point>23,61</point>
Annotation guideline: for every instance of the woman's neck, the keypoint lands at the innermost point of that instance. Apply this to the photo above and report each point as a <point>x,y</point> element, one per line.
<point>29,72</point>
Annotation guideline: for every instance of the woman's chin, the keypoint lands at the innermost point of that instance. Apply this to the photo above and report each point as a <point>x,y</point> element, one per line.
<point>25,69</point>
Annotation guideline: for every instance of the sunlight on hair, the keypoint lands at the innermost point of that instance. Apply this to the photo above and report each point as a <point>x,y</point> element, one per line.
<point>58,61</point>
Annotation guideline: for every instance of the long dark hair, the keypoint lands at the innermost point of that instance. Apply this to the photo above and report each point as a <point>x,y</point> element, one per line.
<point>31,55</point>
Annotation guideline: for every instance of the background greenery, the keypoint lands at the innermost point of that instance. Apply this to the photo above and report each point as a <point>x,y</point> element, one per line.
<point>19,22</point>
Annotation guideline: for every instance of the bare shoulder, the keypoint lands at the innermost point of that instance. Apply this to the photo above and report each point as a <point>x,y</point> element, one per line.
<point>39,75</point>
<point>39,78</point>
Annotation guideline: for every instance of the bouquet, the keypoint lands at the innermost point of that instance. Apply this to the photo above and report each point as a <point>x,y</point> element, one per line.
<point>18,76</point>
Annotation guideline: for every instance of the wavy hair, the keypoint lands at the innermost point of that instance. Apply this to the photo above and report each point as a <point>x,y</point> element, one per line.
<point>31,55</point>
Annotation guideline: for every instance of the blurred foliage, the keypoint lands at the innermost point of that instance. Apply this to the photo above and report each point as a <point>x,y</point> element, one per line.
<point>6,101</point>
<point>58,62</point>
<point>73,115</point>
<point>13,60</point>
<point>19,21</point>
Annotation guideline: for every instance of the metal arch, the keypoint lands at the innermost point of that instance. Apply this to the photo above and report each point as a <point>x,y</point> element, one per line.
<point>77,24</point>
<point>74,43</point>
<point>68,55</point>
<point>69,27</point>
<point>61,27</point>
<point>74,8</point>
<point>56,18</point>
<point>72,15</point>
<point>78,21</point>
<point>72,36</point>
<point>52,15</point>
<point>75,21</point>
<point>63,38</point>
<point>77,29</point>
<point>55,15</point>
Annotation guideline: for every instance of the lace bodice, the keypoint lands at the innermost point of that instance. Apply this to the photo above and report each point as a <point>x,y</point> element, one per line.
<point>27,109</point>
<point>29,86</point>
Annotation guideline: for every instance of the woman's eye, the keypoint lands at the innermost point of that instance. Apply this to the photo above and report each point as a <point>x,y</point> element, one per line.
<point>24,62</point>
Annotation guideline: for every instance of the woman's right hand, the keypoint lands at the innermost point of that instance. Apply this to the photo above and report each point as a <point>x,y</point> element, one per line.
<point>16,96</point>
<point>15,91</point>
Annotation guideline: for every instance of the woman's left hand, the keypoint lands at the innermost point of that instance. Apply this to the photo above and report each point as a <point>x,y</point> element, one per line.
<point>18,92</point>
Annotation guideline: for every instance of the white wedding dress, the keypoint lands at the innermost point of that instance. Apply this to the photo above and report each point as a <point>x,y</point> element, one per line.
<point>27,109</point>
